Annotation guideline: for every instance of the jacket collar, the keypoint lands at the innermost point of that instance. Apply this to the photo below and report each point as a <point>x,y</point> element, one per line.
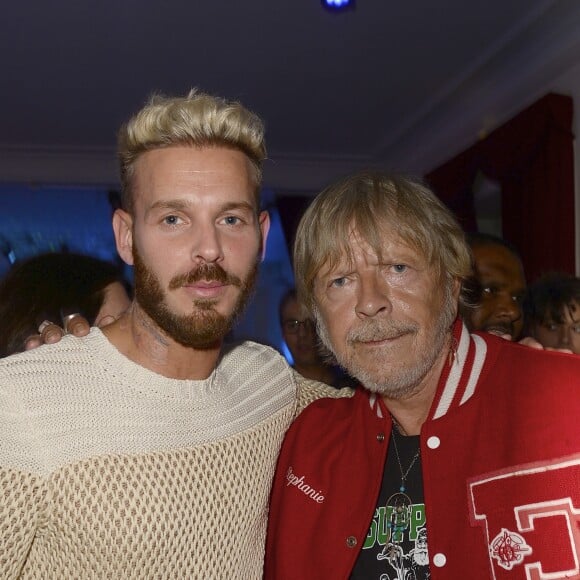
<point>460,376</point>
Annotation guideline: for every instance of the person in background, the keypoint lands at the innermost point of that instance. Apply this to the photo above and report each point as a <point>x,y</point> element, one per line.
<point>552,311</point>
<point>49,286</point>
<point>497,286</point>
<point>460,455</point>
<point>299,332</point>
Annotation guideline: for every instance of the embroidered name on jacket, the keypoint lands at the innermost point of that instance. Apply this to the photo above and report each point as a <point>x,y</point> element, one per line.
<point>545,504</point>
<point>307,490</point>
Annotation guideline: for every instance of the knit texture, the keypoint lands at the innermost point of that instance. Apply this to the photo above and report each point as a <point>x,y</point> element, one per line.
<point>108,470</point>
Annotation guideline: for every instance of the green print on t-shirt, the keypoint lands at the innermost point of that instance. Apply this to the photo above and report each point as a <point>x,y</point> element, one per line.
<point>387,522</point>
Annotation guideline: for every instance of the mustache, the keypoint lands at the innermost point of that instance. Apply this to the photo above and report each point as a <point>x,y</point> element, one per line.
<point>374,330</point>
<point>206,272</point>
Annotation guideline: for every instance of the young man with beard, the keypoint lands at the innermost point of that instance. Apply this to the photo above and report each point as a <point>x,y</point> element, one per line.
<point>146,450</point>
<point>461,456</point>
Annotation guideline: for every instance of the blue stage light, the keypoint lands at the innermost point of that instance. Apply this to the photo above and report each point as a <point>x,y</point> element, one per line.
<point>337,5</point>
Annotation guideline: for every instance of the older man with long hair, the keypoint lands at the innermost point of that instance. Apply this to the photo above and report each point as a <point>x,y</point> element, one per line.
<point>460,457</point>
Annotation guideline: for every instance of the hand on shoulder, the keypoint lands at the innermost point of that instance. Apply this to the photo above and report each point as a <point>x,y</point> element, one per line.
<point>533,343</point>
<point>50,332</point>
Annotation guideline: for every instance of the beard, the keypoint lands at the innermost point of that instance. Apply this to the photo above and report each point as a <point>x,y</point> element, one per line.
<point>379,371</point>
<point>204,327</point>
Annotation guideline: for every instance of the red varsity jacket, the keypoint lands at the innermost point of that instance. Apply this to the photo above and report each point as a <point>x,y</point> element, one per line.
<point>500,462</point>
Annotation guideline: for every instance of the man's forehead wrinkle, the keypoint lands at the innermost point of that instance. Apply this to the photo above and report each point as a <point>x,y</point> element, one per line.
<point>378,241</point>
<point>193,170</point>
<point>369,243</point>
<point>340,251</point>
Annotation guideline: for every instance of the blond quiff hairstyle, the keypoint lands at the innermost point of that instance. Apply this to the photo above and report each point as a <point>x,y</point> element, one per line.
<point>196,120</point>
<point>372,204</point>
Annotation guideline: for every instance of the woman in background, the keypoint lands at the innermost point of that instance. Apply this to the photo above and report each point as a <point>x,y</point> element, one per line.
<point>50,286</point>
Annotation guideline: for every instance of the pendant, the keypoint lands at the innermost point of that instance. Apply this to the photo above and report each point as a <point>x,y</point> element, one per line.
<point>399,516</point>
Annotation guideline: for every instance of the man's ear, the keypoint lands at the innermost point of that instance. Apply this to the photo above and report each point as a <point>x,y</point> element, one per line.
<point>123,229</point>
<point>264,223</point>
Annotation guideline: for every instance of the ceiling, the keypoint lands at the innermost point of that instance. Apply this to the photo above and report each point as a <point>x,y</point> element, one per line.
<point>402,84</point>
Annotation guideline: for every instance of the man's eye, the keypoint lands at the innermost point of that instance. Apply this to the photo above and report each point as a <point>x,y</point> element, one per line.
<point>171,220</point>
<point>399,268</point>
<point>338,282</point>
<point>576,328</point>
<point>232,220</point>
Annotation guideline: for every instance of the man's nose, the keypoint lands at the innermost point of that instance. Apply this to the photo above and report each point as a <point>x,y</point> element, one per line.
<point>372,297</point>
<point>206,245</point>
<point>509,308</point>
<point>305,328</point>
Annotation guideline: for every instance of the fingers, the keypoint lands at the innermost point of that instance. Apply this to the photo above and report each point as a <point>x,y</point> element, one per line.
<point>33,341</point>
<point>50,332</point>
<point>531,342</point>
<point>105,320</point>
<point>76,324</point>
<point>566,350</point>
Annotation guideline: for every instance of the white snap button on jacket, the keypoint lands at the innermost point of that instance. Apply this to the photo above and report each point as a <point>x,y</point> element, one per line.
<point>439,560</point>
<point>433,442</point>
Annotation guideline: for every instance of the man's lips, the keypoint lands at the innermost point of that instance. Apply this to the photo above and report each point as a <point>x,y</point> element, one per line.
<point>380,340</point>
<point>205,288</point>
<point>499,329</point>
<point>203,284</point>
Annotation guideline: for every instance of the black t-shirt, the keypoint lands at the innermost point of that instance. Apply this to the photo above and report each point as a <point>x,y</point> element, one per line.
<point>396,545</point>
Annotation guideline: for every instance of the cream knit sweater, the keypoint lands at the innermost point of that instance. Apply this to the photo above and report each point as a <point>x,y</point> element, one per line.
<point>108,470</point>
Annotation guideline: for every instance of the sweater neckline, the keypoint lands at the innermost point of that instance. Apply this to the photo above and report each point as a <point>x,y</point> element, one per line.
<point>149,382</point>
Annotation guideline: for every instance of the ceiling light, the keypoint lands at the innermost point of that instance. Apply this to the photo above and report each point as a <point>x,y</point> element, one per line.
<point>338,5</point>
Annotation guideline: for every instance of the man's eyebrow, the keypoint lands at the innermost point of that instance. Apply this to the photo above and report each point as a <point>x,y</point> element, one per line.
<point>490,281</point>
<point>168,204</point>
<point>180,204</point>
<point>243,205</point>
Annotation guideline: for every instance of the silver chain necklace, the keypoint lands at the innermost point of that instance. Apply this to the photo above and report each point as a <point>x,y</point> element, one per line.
<point>404,473</point>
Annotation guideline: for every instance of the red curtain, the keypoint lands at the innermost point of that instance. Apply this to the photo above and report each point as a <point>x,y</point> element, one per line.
<point>532,158</point>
